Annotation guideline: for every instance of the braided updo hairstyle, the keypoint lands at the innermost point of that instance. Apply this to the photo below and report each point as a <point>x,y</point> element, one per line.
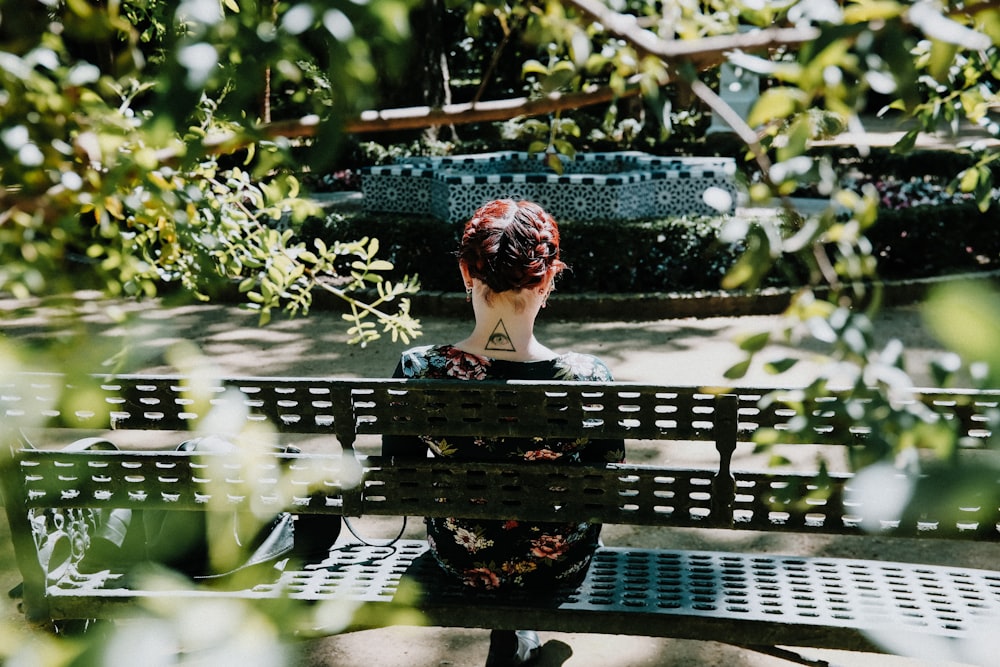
<point>511,245</point>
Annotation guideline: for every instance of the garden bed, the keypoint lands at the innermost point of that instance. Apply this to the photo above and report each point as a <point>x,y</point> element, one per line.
<point>684,254</point>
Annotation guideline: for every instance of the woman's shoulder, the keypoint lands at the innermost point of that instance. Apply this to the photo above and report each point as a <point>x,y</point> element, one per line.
<point>442,361</point>
<point>578,366</point>
<point>414,361</point>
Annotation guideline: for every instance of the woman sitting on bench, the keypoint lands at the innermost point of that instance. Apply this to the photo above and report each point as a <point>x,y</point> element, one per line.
<point>509,259</point>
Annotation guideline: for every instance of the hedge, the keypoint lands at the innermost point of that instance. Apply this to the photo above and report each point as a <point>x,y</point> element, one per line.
<point>929,241</point>
<point>676,255</point>
<point>603,256</point>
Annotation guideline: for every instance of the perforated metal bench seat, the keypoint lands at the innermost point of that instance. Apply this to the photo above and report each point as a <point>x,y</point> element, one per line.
<point>745,598</point>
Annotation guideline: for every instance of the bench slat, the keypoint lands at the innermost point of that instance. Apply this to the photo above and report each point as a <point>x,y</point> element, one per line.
<point>320,405</point>
<point>616,494</point>
<point>527,409</point>
<point>181,480</point>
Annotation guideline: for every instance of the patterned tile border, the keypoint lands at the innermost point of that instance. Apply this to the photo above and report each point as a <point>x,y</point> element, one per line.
<point>627,185</point>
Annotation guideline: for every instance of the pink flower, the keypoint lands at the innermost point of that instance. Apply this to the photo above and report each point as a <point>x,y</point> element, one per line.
<point>464,366</point>
<point>481,577</point>
<point>552,547</point>
<point>542,455</point>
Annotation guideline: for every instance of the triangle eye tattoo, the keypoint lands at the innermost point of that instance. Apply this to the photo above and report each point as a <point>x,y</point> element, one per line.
<point>500,339</point>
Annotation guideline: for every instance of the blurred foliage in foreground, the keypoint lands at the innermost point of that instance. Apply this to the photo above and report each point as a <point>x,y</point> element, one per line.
<point>130,156</point>
<point>114,115</point>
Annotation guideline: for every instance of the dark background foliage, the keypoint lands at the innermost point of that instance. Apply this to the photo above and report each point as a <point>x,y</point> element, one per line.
<point>686,254</point>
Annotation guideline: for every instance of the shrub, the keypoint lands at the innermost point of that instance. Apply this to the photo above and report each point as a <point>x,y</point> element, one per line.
<point>676,255</point>
<point>926,241</point>
<point>680,254</point>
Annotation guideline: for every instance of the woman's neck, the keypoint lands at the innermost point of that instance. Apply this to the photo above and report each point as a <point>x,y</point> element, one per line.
<point>505,328</point>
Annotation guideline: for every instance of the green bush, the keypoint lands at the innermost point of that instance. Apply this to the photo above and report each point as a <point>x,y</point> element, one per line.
<point>881,162</point>
<point>934,240</point>
<point>681,254</point>
<point>675,255</point>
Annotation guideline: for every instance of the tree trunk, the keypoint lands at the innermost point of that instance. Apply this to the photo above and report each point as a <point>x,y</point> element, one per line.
<point>437,80</point>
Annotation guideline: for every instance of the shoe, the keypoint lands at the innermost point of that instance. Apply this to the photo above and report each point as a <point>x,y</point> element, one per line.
<point>513,648</point>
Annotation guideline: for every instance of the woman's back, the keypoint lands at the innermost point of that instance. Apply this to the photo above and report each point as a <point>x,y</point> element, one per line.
<point>497,554</point>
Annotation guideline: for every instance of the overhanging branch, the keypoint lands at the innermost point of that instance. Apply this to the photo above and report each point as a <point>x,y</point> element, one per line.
<point>415,118</point>
<point>702,53</point>
<point>698,53</point>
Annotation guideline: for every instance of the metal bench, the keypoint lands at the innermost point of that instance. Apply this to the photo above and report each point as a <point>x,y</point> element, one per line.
<point>763,601</point>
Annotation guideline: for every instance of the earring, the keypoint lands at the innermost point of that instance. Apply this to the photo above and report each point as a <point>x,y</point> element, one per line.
<point>468,293</point>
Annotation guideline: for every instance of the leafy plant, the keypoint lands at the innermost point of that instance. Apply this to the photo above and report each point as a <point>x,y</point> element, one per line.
<point>141,169</point>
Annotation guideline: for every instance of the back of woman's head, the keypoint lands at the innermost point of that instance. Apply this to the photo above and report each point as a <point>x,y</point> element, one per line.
<point>511,245</point>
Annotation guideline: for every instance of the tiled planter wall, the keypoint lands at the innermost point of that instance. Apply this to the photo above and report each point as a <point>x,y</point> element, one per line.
<point>623,185</point>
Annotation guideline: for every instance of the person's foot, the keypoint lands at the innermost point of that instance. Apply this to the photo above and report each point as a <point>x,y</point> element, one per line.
<point>513,648</point>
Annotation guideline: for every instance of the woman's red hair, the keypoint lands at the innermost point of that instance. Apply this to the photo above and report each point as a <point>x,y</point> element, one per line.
<point>511,245</point>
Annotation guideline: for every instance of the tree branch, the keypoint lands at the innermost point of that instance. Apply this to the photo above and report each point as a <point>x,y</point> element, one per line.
<point>703,53</point>
<point>712,49</point>
<point>699,52</point>
<point>415,118</point>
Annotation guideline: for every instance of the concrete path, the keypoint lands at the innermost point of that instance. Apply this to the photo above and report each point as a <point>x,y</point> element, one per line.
<point>686,351</point>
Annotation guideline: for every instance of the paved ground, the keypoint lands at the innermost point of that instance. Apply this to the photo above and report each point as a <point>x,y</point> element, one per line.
<point>690,350</point>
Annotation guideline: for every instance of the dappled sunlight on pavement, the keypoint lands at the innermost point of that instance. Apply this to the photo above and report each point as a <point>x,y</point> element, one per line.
<point>688,351</point>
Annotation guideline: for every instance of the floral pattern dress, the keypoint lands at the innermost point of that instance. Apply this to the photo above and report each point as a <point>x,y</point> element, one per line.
<point>498,555</point>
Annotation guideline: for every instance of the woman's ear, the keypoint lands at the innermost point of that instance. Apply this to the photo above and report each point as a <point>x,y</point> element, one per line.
<point>466,277</point>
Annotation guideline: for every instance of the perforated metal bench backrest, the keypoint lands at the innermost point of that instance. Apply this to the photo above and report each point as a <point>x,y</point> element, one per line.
<point>347,408</point>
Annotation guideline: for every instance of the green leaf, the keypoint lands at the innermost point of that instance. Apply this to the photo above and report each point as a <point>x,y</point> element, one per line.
<point>798,136</point>
<point>779,366</point>
<point>965,316</point>
<point>872,10</point>
<point>968,180</point>
<point>538,146</point>
<point>557,80</point>
<point>778,460</point>
<point>906,142</point>
<point>755,342</point>
<point>554,163</point>
<point>564,147</point>
<point>737,371</point>
<point>984,191</point>
<point>776,104</point>
<point>941,57</point>
<point>754,263</point>
<point>534,67</point>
